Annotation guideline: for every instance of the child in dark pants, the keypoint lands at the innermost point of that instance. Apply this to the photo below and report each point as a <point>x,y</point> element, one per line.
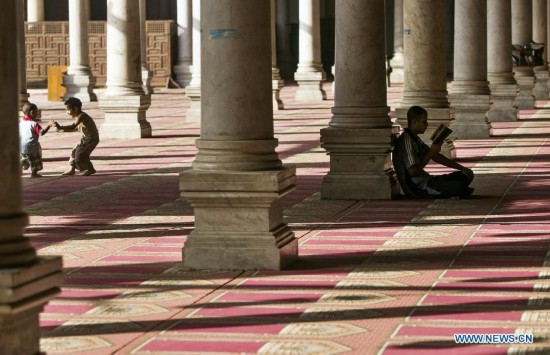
<point>80,156</point>
<point>29,132</point>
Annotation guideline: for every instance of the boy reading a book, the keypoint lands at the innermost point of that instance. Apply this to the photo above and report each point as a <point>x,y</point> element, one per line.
<point>411,155</point>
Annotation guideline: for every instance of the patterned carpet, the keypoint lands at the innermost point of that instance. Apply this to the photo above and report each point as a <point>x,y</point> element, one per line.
<point>374,277</point>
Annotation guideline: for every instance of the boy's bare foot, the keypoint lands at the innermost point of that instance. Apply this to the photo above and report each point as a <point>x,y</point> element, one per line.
<point>68,172</point>
<point>36,175</point>
<point>89,172</point>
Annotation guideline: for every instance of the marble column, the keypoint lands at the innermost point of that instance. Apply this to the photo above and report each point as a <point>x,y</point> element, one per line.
<point>522,34</point>
<point>35,10</point>
<point>425,81</point>
<point>193,91</point>
<point>21,52</point>
<point>79,80</point>
<point>185,53</point>
<point>237,180</point>
<point>540,91</point>
<point>502,83</point>
<point>277,82</point>
<point>124,102</point>
<point>27,281</point>
<point>146,74</point>
<point>358,136</point>
<point>310,74</point>
<point>397,75</point>
<point>470,94</point>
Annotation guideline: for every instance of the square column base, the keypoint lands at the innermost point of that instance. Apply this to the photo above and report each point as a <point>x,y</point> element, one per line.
<point>125,117</point>
<point>526,82</point>
<point>238,219</point>
<point>540,91</point>
<point>503,108</point>
<point>470,113</point>
<point>357,163</point>
<point>310,83</point>
<point>80,86</point>
<point>23,293</point>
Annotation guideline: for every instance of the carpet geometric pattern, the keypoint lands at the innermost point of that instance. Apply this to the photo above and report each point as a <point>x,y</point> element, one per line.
<point>374,277</point>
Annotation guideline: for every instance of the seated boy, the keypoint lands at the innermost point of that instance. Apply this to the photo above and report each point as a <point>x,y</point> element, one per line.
<point>411,155</point>
<point>29,132</point>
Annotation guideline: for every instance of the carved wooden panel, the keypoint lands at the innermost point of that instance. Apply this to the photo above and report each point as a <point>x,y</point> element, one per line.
<point>47,44</point>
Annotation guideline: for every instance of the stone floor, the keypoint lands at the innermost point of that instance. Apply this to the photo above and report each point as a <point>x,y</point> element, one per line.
<point>374,277</point>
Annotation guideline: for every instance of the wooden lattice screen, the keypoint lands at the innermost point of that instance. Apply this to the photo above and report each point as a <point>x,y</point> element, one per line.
<point>47,44</point>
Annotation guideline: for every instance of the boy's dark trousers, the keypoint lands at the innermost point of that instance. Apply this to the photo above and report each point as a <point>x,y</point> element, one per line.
<point>80,156</point>
<point>450,185</point>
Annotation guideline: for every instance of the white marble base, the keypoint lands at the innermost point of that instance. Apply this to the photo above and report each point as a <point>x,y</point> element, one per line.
<point>194,112</point>
<point>470,116</point>
<point>146,77</point>
<point>503,107</point>
<point>526,82</point>
<point>125,117</point>
<point>80,86</point>
<point>541,91</point>
<point>184,74</point>
<point>310,83</point>
<point>23,293</point>
<point>397,76</point>
<point>357,158</point>
<point>238,219</point>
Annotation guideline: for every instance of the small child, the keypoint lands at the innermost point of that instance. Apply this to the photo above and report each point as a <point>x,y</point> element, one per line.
<point>80,156</point>
<point>29,132</point>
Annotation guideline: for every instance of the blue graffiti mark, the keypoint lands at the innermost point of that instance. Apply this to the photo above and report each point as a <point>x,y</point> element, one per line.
<point>222,33</point>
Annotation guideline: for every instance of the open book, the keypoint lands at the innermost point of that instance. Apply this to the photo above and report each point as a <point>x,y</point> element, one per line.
<point>440,134</point>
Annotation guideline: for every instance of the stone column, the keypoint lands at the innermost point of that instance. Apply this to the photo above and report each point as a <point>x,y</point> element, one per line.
<point>236,181</point>
<point>358,136</point>
<point>397,75</point>
<point>470,94</point>
<point>284,55</point>
<point>79,80</point>
<point>540,91</point>
<point>27,281</point>
<point>425,81</point>
<point>502,83</point>
<point>275,74</point>
<point>124,102</point>
<point>35,10</point>
<point>522,34</point>
<point>146,74</point>
<point>21,52</point>
<point>185,53</point>
<point>193,91</point>
<point>310,74</point>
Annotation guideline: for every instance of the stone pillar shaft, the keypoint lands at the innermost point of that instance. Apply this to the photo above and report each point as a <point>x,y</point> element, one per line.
<point>27,282</point>
<point>35,10</point>
<point>21,51</point>
<point>310,74</point>
<point>79,80</point>
<point>358,136</point>
<point>425,81</point>
<point>185,42</point>
<point>146,75</point>
<point>397,75</point>
<point>193,91</point>
<point>236,182</point>
<point>470,94</point>
<point>124,102</point>
<point>522,34</point>
<point>502,83</point>
<point>275,74</point>
<point>540,91</point>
